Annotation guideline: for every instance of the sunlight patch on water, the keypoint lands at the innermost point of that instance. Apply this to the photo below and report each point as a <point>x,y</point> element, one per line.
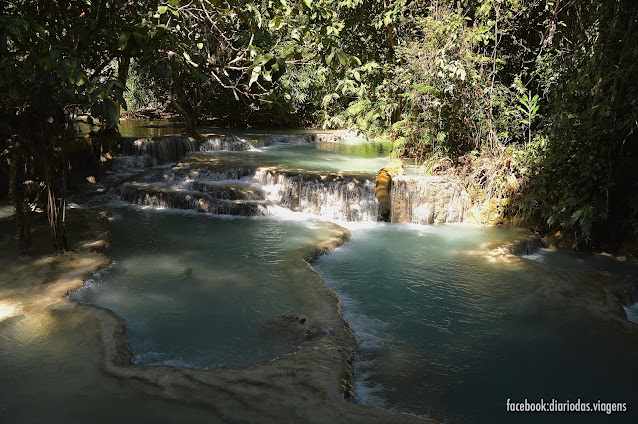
<point>8,309</point>
<point>447,333</point>
<point>199,290</point>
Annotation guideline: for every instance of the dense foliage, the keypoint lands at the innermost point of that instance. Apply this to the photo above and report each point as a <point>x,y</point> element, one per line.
<point>57,58</point>
<point>531,101</point>
<point>536,98</point>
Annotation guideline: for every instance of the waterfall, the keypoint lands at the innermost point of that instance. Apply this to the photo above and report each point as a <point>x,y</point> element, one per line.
<point>229,190</point>
<point>161,197</point>
<point>160,150</point>
<point>183,175</point>
<point>348,198</point>
<point>232,143</point>
<point>224,185</point>
<point>427,200</point>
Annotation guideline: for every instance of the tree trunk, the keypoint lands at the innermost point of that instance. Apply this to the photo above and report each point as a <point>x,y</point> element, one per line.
<point>15,194</point>
<point>190,118</point>
<point>123,66</point>
<point>180,101</point>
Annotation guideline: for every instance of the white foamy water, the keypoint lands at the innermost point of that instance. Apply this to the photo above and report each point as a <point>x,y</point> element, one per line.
<point>632,312</point>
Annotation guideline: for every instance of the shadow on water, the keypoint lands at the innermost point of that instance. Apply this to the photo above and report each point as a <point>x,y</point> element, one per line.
<point>198,291</point>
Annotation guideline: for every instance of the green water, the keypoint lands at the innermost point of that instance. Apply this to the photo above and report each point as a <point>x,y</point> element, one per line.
<point>365,158</point>
<point>199,291</point>
<point>449,334</point>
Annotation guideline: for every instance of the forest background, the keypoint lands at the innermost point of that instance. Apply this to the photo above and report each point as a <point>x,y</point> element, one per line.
<point>531,104</point>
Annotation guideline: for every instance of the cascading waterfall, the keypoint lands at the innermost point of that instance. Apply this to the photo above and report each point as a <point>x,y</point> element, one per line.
<point>183,176</point>
<point>157,197</point>
<point>223,142</point>
<point>226,186</point>
<point>329,196</point>
<point>429,200</point>
<point>160,150</point>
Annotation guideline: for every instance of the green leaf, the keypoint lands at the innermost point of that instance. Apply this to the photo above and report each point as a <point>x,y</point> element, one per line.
<point>279,69</point>
<point>330,56</point>
<point>95,94</point>
<point>162,9</point>
<point>120,98</point>
<point>65,96</point>
<point>255,75</point>
<point>78,78</point>
<point>111,113</point>
<point>342,56</point>
<point>263,58</point>
<point>277,23</point>
<point>123,41</point>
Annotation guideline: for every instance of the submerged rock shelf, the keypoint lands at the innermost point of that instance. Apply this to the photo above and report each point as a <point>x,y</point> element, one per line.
<point>91,362</point>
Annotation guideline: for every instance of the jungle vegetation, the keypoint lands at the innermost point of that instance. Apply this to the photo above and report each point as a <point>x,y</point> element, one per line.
<point>531,102</point>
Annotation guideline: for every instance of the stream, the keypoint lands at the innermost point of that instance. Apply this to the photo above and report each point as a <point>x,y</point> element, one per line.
<point>207,241</point>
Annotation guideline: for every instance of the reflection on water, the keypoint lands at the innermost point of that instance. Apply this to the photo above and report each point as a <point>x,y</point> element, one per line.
<point>197,291</point>
<point>448,334</point>
<point>139,127</point>
<point>320,157</point>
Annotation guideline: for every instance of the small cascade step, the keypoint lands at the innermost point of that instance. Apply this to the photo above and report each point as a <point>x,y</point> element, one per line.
<point>428,200</point>
<point>159,150</point>
<point>212,143</point>
<point>331,196</point>
<point>229,190</point>
<point>158,196</point>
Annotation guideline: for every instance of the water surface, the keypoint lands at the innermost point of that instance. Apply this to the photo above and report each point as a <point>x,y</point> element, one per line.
<point>199,291</point>
<point>447,333</point>
<point>319,157</point>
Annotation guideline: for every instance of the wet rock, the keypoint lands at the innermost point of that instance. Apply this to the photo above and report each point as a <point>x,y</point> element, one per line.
<point>165,197</point>
<point>428,200</point>
<point>526,245</point>
<point>295,328</point>
<point>382,192</point>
